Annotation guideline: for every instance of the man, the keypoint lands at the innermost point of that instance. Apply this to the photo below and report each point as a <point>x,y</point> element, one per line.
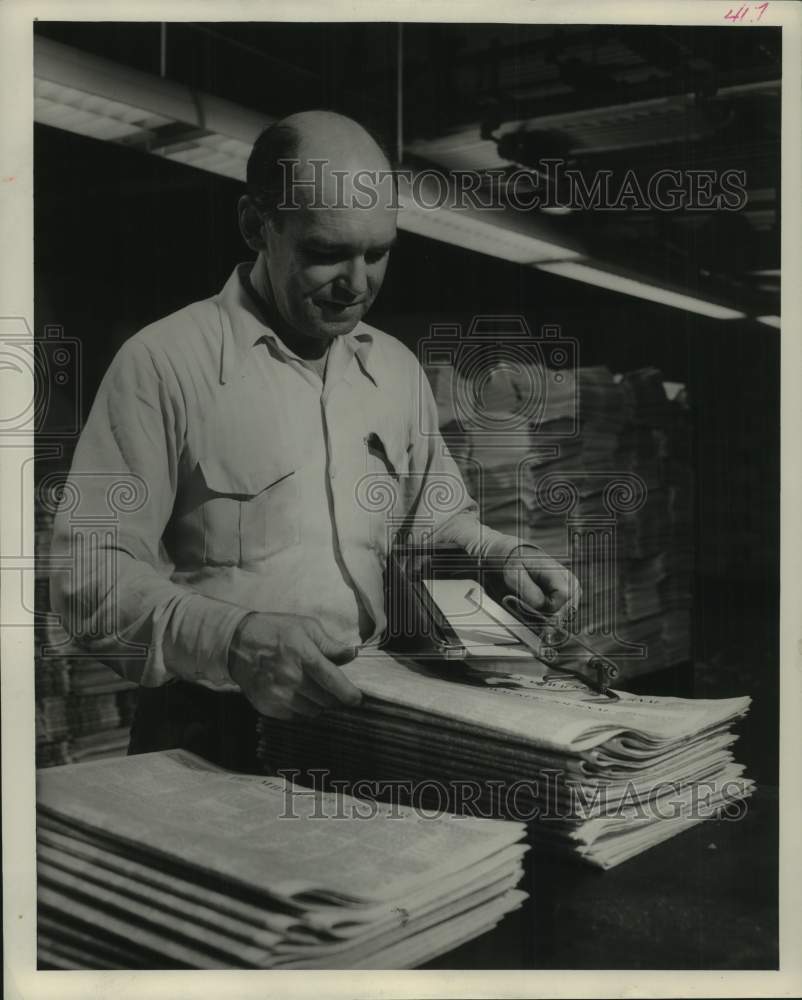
<point>249,557</point>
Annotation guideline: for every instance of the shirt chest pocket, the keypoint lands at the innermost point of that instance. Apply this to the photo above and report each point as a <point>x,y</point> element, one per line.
<point>386,451</point>
<point>249,511</point>
<point>387,485</point>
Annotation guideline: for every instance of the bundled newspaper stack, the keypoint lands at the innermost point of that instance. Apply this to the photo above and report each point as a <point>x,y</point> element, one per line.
<point>601,777</point>
<point>656,445</point>
<point>100,709</point>
<point>87,714</point>
<point>52,671</point>
<point>590,440</point>
<point>166,861</point>
<point>676,587</point>
<point>83,708</point>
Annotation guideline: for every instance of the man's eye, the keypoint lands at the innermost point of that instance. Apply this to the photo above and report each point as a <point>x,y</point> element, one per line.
<point>323,256</point>
<point>315,256</point>
<point>375,256</point>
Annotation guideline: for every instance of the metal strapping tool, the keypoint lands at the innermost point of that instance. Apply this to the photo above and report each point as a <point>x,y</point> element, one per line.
<point>554,633</point>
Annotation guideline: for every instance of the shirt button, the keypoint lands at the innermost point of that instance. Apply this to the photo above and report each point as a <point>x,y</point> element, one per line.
<point>332,471</point>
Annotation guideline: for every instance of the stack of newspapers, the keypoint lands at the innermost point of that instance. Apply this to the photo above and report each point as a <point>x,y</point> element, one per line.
<point>600,776</point>
<point>165,861</point>
<point>656,541</point>
<point>52,666</point>
<point>676,587</point>
<point>83,708</point>
<point>100,708</point>
<point>593,468</point>
<point>86,712</point>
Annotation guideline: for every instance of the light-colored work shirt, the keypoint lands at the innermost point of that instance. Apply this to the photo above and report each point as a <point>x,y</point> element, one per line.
<point>218,475</point>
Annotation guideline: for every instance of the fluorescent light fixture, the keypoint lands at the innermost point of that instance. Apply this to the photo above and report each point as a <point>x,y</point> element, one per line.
<point>464,230</point>
<point>556,209</point>
<point>143,92</point>
<point>769,320</point>
<point>96,97</point>
<point>639,289</point>
<point>215,153</point>
<point>673,390</point>
<point>89,114</point>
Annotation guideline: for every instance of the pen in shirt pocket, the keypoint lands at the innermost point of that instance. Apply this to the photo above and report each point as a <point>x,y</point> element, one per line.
<point>376,448</point>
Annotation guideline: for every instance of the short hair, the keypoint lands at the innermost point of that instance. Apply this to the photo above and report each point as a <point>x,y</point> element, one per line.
<point>265,176</point>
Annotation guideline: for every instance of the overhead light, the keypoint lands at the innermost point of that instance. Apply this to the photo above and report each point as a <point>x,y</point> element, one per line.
<point>90,114</point>
<point>639,289</point>
<point>673,390</point>
<point>467,231</point>
<point>101,118</point>
<point>216,153</point>
<point>95,97</point>
<point>769,320</point>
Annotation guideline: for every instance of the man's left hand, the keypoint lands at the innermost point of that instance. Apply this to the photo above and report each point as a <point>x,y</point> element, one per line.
<point>540,581</point>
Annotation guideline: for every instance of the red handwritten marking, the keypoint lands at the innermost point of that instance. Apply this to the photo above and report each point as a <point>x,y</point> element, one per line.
<point>737,15</point>
<point>741,12</point>
<point>8,180</point>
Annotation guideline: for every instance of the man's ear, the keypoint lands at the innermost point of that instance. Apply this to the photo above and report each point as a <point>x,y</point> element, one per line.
<point>251,223</point>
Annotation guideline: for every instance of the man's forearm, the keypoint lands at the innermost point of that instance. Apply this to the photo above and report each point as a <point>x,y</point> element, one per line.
<point>145,626</point>
<point>488,546</point>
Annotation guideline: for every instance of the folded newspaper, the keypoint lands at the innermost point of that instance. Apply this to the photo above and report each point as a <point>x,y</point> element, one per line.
<point>165,861</point>
<point>603,778</point>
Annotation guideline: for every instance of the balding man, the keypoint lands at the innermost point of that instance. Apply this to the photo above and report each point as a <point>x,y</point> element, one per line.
<point>247,560</point>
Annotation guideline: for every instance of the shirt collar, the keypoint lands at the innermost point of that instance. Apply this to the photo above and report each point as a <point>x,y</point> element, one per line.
<point>244,327</point>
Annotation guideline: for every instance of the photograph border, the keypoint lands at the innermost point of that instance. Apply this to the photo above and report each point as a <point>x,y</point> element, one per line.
<point>22,980</point>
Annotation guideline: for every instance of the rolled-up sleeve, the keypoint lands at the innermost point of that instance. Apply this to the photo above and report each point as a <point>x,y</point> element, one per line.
<point>443,511</point>
<point>111,578</point>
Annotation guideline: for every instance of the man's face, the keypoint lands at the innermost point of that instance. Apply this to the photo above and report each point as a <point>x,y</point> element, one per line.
<point>326,265</point>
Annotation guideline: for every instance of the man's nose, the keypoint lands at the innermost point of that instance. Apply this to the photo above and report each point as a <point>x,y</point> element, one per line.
<point>354,277</point>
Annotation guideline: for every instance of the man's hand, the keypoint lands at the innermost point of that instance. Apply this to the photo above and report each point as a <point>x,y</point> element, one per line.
<point>286,665</point>
<point>540,581</point>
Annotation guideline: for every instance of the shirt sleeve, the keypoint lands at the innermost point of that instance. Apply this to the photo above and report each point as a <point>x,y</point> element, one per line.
<point>111,585</point>
<point>442,511</point>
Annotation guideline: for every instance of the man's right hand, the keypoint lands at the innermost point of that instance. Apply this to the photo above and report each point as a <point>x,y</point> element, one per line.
<point>287,665</point>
